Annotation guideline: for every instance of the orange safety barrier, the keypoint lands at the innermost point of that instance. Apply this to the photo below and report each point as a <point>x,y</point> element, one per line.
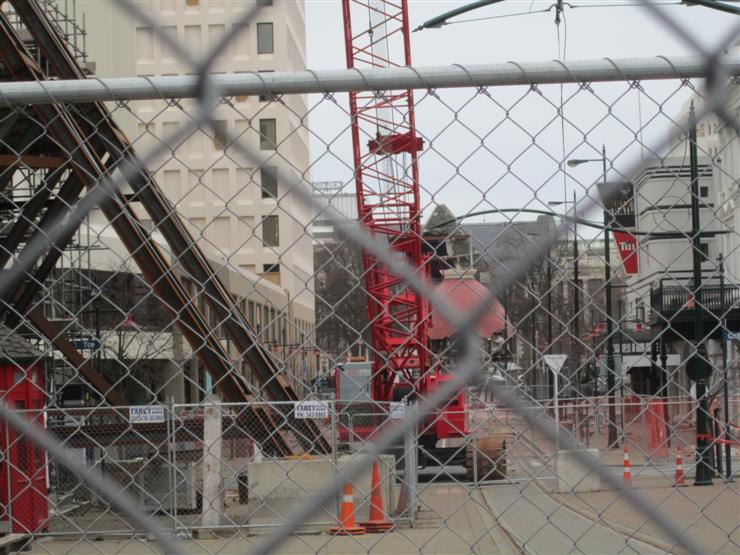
<point>377,522</point>
<point>627,469</point>
<point>679,481</point>
<point>347,526</point>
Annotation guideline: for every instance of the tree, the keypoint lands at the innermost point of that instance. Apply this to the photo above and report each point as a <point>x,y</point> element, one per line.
<point>129,309</point>
<point>341,298</point>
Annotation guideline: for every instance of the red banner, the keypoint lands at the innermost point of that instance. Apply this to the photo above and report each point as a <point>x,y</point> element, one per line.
<point>627,246</point>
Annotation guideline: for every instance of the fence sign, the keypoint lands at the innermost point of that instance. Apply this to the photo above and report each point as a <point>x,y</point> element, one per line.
<point>621,208</point>
<point>733,335</point>
<point>87,343</point>
<point>147,414</point>
<point>397,410</point>
<point>312,409</point>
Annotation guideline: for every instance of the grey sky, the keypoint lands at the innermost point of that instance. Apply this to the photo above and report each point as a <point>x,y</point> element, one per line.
<point>456,170</point>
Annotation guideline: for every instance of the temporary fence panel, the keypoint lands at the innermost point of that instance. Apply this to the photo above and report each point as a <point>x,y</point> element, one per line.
<point>198,328</point>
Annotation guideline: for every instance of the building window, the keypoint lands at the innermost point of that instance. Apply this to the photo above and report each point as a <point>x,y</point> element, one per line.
<point>704,247</point>
<point>268,134</point>
<point>704,192</point>
<point>270,231</point>
<point>219,135</point>
<point>269,182</point>
<point>271,268</point>
<point>265,43</point>
<point>264,2</point>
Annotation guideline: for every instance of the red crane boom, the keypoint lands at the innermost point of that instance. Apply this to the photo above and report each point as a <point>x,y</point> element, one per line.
<point>385,149</point>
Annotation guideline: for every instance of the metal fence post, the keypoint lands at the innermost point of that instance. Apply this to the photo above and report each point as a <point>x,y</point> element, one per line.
<point>6,456</point>
<point>475,458</point>
<point>334,455</point>
<point>411,469</point>
<point>597,432</point>
<point>171,448</point>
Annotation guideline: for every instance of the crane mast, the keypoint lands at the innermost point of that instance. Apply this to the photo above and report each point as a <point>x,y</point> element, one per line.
<point>385,151</point>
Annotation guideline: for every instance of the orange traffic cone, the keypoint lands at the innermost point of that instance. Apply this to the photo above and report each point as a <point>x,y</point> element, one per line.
<point>376,522</point>
<point>679,481</point>
<point>627,470</point>
<point>347,525</point>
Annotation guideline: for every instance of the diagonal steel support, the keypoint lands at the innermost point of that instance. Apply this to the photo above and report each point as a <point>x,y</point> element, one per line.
<point>20,228</point>
<point>56,336</point>
<point>148,257</point>
<point>96,122</point>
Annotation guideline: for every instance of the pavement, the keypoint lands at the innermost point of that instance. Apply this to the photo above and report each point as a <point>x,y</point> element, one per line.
<point>453,519</point>
<point>709,515</point>
<point>543,526</point>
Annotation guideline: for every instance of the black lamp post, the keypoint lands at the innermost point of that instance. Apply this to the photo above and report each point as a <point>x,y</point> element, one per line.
<point>698,368</point>
<point>725,377</point>
<point>612,435</point>
<point>576,291</point>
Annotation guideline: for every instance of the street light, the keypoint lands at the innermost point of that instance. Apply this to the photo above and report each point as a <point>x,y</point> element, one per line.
<point>698,369</point>
<point>612,436</point>
<point>576,292</point>
<point>573,162</point>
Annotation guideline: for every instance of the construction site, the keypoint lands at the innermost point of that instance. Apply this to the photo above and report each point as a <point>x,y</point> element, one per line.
<point>309,277</point>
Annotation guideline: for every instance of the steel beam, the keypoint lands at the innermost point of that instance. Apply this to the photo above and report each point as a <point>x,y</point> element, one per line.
<point>27,216</point>
<point>56,336</point>
<point>106,137</point>
<point>33,161</point>
<point>148,257</point>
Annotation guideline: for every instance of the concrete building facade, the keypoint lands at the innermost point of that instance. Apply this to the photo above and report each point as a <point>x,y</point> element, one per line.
<point>256,236</point>
<point>661,293</point>
<point>238,211</point>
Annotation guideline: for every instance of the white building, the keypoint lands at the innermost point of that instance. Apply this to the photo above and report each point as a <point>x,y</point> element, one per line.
<point>240,213</point>
<point>340,197</point>
<point>661,292</point>
<point>254,234</point>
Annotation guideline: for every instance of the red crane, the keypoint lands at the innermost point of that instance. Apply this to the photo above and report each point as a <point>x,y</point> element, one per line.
<point>385,149</point>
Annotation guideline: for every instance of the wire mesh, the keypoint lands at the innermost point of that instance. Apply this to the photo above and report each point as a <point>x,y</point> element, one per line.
<point>191,348</point>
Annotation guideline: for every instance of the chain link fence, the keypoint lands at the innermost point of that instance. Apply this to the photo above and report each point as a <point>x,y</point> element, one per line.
<point>191,347</point>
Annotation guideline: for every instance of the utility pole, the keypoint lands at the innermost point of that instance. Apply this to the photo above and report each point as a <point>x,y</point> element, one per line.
<point>577,294</point>
<point>550,377</point>
<point>698,368</point>
<point>612,435</point>
<point>725,377</point>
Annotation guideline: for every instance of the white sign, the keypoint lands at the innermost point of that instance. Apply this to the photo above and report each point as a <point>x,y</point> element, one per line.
<point>143,415</point>
<point>643,361</point>
<point>397,410</point>
<point>312,409</point>
<point>555,362</point>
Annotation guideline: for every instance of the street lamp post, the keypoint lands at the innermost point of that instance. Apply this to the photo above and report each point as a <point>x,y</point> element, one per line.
<point>612,427</point>
<point>725,377</point>
<point>698,369</point>
<point>576,291</point>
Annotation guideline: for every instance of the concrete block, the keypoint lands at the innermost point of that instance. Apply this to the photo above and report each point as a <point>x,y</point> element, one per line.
<point>273,482</point>
<point>572,476</point>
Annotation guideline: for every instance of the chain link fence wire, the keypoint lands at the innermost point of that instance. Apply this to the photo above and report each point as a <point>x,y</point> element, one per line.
<point>187,353</point>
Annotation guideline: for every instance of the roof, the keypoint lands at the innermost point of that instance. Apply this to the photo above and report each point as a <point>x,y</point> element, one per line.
<point>502,244</point>
<point>464,295</point>
<point>442,215</point>
<point>15,349</point>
